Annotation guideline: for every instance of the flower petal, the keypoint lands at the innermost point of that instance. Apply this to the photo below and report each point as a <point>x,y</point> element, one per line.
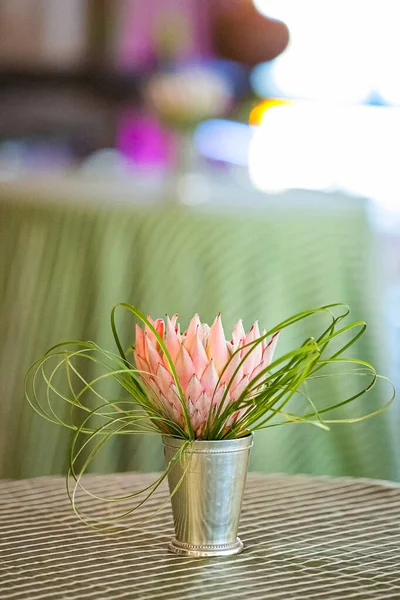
<point>153,358</point>
<point>174,322</point>
<point>164,379</point>
<point>195,419</point>
<point>176,404</point>
<point>230,370</point>
<point>203,406</point>
<point>203,333</point>
<point>199,357</point>
<point>141,364</point>
<point>216,345</point>
<point>193,389</point>
<point>238,334</point>
<point>253,353</point>
<point>269,351</point>
<point>209,379</point>
<point>264,342</point>
<point>184,367</point>
<point>257,352</point>
<point>139,346</point>
<point>219,394</point>
<point>172,340</point>
<point>256,372</point>
<point>199,414</point>
<point>249,364</point>
<point>235,394</point>
<point>148,331</point>
<point>160,328</point>
<point>266,360</point>
<point>191,333</point>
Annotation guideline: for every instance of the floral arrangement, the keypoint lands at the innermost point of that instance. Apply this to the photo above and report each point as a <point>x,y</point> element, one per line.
<point>193,385</point>
<point>212,375</point>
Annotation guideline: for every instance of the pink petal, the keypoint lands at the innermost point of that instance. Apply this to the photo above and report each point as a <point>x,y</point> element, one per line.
<point>199,414</point>
<point>172,340</point>
<point>203,406</point>
<point>199,357</point>
<point>216,346</point>
<point>164,379</point>
<point>153,384</point>
<point>257,352</point>
<point>266,360</point>
<point>160,328</point>
<point>237,391</point>
<point>254,352</point>
<point>219,394</point>
<point>247,339</point>
<point>163,402</point>
<point>264,342</point>
<point>148,331</point>
<point>153,358</point>
<point>141,364</point>
<point>191,334</point>
<point>184,367</point>
<point>203,333</point>
<point>238,334</point>
<point>249,364</point>
<point>145,374</point>
<point>256,372</point>
<point>235,417</point>
<point>193,389</point>
<point>174,322</point>
<point>231,368</point>
<point>195,419</point>
<point>152,387</point>
<point>173,397</point>
<point>139,347</point>
<point>209,379</point>
<point>269,351</point>
<point>176,404</point>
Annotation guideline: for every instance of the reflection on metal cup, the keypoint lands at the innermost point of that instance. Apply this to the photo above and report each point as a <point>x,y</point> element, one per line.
<point>207,482</point>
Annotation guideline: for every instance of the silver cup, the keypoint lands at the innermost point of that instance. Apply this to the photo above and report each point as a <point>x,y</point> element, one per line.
<point>207,484</point>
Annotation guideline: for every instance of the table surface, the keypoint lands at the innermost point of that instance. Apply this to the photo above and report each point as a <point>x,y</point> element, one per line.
<point>305,537</point>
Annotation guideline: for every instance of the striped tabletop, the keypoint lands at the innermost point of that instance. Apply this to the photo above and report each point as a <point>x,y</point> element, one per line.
<point>305,537</point>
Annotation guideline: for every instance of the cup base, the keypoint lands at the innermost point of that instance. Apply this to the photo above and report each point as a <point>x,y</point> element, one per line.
<point>205,551</point>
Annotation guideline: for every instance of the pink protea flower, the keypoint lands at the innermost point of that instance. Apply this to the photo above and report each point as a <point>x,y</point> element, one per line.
<point>199,356</point>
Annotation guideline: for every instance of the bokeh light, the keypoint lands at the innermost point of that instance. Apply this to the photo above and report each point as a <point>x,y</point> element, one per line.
<point>357,51</point>
<point>289,150</point>
<point>225,141</point>
<point>318,146</point>
<point>258,112</point>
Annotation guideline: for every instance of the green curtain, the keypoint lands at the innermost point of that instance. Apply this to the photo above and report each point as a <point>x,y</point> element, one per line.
<point>63,265</point>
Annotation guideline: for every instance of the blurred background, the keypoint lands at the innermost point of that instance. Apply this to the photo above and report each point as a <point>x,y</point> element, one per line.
<point>199,156</point>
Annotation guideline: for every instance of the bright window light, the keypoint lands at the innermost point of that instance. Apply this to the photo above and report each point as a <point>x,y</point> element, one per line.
<point>316,146</point>
<point>339,51</point>
<point>289,149</point>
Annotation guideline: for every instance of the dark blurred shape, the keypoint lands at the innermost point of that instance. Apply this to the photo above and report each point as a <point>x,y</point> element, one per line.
<point>101,22</point>
<point>235,73</point>
<point>43,33</point>
<point>242,34</point>
<point>80,108</point>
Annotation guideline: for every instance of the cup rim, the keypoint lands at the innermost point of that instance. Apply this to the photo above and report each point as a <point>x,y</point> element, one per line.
<point>200,446</point>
